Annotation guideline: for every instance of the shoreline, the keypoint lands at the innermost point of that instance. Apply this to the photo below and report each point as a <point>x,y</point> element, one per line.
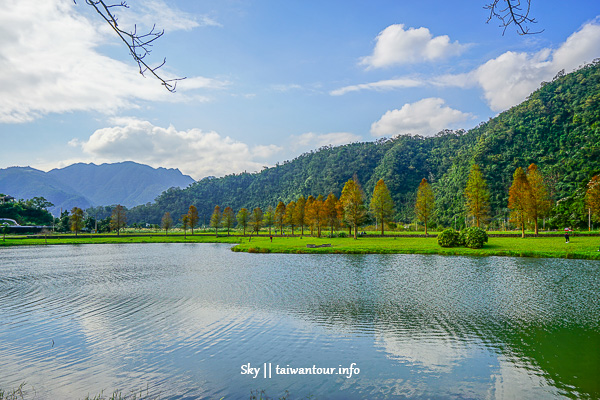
<point>582,246</point>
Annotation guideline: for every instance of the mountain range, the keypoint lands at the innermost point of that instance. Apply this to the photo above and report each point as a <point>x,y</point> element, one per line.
<point>86,185</point>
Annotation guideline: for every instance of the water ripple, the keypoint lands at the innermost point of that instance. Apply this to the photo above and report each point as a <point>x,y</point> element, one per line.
<point>182,319</point>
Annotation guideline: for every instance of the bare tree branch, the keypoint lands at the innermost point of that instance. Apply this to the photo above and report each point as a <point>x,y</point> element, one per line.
<point>512,12</point>
<point>139,45</point>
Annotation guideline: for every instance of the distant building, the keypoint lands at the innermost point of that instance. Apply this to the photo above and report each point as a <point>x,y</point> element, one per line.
<point>6,199</point>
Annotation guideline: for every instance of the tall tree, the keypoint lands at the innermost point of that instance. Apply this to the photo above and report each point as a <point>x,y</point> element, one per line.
<point>477,195</point>
<point>333,211</point>
<point>118,218</point>
<point>185,221</point>
<point>539,199</point>
<point>316,214</point>
<point>215,219</point>
<point>382,205</point>
<point>193,217</point>
<point>228,219</point>
<point>592,197</point>
<point>269,218</point>
<point>300,213</point>
<point>256,219</point>
<point>166,222</point>
<point>76,220</point>
<point>280,216</point>
<point>308,219</point>
<point>518,199</point>
<point>352,199</point>
<point>290,215</point>
<point>242,218</point>
<point>425,204</point>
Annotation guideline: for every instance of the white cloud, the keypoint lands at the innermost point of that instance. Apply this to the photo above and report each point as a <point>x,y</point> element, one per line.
<point>315,140</point>
<point>397,46</point>
<point>148,13</point>
<point>193,151</point>
<point>380,85</point>
<point>508,79</point>
<point>50,64</point>
<point>286,87</point>
<point>425,117</point>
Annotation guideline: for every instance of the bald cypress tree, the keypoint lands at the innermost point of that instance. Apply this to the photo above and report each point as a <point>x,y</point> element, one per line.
<point>592,197</point>
<point>228,218</point>
<point>352,199</point>
<point>539,199</point>
<point>76,220</point>
<point>215,219</point>
<point>333,212</point>
<point>192,217</point>
<point>518,199</point>
<point>280,216</point>
<point>477,195</point>
<point>118,218</point>
<point>382,205</point>
<point>424,206</point>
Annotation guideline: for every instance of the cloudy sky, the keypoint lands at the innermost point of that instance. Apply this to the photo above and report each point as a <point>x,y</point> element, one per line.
<point>266,79</point>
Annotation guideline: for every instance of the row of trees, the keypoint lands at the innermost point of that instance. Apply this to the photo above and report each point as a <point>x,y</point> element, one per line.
<point>315,213</point>
<point>76,221</point>
<point>528,202</point>
<point>529,197</point>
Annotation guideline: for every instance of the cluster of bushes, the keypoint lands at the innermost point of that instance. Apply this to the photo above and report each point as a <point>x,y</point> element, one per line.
<point>473,238</point>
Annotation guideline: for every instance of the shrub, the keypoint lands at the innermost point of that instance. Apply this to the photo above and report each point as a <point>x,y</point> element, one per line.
<point>449,238</point>
<point>473,237</point>
<point>343,235</point>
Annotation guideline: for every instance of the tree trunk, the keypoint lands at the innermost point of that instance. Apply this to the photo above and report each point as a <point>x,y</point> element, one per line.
<point>522,229</point>
<point>355,231</point>
<point>536,227</point>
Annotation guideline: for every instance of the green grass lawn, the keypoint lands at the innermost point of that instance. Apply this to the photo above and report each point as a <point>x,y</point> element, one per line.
<point>585,247</point>
<point>579,246</point>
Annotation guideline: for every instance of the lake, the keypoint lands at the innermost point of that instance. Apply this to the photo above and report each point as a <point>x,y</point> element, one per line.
<point>193,321</point>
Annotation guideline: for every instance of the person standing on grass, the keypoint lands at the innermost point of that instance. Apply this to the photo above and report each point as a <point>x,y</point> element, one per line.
<point>566,235</point>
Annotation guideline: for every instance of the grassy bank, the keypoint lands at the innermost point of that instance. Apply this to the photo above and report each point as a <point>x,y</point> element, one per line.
<point>583,247</point>
<point>105,239</point>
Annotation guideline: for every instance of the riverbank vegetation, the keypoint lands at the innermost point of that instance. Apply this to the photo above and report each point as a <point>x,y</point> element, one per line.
<point>581,245</point>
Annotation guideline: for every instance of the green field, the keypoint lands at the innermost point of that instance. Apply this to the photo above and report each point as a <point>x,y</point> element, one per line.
<point>580,246</point>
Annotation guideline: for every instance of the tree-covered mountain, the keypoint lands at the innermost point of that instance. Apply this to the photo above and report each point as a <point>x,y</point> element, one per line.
<point>86,185</point>
<point>557,128</point>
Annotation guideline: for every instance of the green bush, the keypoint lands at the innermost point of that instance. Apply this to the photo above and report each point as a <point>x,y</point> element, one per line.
<point>343,235</point>
<point>449,238</point>
<point>473,237</point>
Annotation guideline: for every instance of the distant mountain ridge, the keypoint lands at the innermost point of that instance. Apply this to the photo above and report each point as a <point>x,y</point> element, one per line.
<point>85,185</point>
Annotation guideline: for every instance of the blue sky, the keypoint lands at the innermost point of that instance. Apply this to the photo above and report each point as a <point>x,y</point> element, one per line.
<point>266,80</point>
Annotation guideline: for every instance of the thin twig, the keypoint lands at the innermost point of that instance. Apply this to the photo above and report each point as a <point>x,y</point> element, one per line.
<point>512,13</point>
<point>139,45</point>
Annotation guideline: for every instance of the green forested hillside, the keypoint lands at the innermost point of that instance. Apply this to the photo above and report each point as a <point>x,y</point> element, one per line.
<point>557,128</point>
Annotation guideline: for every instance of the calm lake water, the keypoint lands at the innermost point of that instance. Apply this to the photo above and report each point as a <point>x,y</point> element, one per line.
<point>182,319</point>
